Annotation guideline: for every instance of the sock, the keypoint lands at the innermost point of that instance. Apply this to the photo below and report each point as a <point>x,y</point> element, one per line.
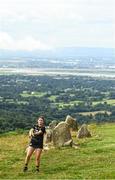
<point>25,168</point>
<point>37,168</point>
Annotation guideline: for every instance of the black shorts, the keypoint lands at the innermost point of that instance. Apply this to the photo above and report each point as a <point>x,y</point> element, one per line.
<point>35,144</point>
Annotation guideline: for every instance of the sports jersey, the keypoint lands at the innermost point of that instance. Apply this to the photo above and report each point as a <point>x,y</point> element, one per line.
<point>37,140</point>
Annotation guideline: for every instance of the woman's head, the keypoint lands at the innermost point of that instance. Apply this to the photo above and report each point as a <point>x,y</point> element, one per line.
<point>41,121</point>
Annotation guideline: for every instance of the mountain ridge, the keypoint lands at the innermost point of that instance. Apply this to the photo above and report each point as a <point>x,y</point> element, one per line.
<point>66,52</point>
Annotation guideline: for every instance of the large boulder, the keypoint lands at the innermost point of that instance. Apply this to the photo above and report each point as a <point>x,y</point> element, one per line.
<point>83,132</point>
<point>53,124</point>
<point>61,135</point>
<point>72,123</point>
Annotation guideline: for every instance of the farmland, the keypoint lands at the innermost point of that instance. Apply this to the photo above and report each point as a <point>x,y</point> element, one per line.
<point>24,97</point>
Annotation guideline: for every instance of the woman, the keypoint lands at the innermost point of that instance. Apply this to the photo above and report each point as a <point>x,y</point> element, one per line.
<point>36,143</point>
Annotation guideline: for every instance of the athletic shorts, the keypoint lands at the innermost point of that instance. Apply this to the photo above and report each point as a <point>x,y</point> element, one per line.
<point>35,144</point>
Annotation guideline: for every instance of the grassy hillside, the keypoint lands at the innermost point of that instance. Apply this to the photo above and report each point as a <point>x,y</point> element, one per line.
<point>94,159</point>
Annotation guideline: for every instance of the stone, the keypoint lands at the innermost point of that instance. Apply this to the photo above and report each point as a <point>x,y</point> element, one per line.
<point>53,124</point>
<point>72,123</point>
<point>68,143</point>
<point>83,132</point>
<point>61,134</point>
<point>48,136</point>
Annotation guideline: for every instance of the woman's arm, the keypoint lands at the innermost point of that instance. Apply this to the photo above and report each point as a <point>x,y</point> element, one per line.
<point>39,132</point>
<point>31,132</point>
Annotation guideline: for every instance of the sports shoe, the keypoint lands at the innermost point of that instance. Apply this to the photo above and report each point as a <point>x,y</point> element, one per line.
<point>37,168</point>
<point>25,169</point>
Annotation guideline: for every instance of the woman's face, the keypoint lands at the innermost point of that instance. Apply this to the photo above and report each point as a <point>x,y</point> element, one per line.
<point>40,122</point>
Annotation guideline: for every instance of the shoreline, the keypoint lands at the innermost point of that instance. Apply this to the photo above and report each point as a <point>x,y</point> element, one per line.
<point>101,73</point>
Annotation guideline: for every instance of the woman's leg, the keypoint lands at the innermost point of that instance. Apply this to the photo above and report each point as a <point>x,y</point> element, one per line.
<point>30,151</point>
<point>38,155</point>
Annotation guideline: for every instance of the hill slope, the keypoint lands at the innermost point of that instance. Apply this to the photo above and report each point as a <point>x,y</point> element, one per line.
<point>94,159</point>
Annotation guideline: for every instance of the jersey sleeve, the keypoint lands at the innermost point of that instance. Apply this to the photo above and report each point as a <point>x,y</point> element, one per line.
<point>43,129</point>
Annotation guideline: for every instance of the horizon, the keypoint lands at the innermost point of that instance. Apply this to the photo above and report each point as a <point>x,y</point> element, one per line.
<point>56,48</point>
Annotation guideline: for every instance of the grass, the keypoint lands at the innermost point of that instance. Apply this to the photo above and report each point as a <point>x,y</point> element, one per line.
<point>94,113</point>
<point>63,105</point>
<point>72,103</point>
<point>36,94</point>
<point>109,101</point>
<point>94,159</point>
<point>53,97</point>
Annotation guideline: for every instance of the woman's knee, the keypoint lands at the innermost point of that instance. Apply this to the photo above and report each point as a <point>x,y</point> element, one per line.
<point>37,156</point>
<point>30,152</point>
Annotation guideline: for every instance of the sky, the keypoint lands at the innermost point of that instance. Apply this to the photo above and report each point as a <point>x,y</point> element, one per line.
<point>49,24</point>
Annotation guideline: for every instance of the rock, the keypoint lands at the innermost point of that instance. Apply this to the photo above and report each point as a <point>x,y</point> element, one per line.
<point>48,136</point>
<point>68,143</point>
<point>83,132</point>
<point>72,123</point>
<point>76,144</point>
<point>53,124</point>
<point>46,148</point>
<point>61,134</point>
<point>76,147</point>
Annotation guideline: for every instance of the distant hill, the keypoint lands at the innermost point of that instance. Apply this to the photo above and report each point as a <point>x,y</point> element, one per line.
<point>65,52</point>
<point>85,51</point>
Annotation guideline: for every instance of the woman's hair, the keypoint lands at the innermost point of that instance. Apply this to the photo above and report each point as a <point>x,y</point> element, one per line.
<point>42,117</point>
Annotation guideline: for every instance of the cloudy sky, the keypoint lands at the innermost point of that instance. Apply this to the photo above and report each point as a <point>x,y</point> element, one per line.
<point>45,24</point>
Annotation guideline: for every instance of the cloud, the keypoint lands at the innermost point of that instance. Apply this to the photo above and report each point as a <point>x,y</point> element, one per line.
<point>51,10</point>
<point>28,43</point>
<point>55,21</point>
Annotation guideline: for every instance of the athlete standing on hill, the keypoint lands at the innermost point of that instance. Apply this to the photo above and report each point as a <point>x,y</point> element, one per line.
<point>36,143</point>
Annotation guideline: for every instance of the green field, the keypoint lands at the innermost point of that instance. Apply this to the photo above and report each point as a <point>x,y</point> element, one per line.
<point>108,101</point>
<point>36,94</point>
<point>94,159</point>
<point>52,98</point>
<point>62,104</point>
<point>94,113</point>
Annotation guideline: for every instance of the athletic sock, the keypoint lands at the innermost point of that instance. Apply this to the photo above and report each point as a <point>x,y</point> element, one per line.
<point>25,167</point>
<point>37,168</point>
